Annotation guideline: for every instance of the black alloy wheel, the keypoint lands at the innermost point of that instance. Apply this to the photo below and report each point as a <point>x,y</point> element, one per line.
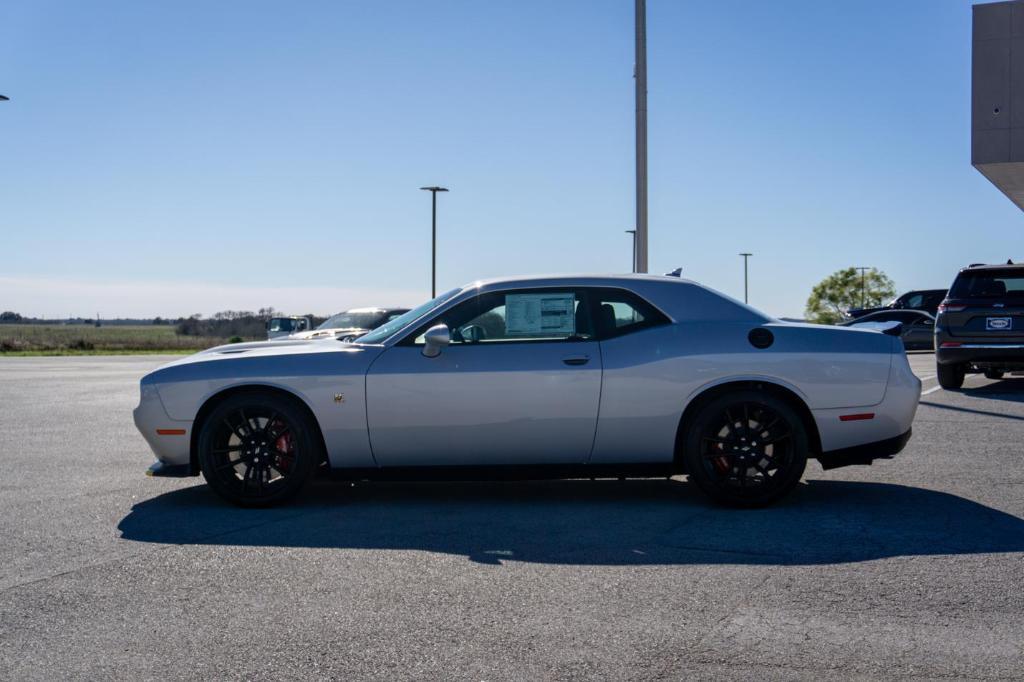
<point>746,448</point>
<point>257,450</point>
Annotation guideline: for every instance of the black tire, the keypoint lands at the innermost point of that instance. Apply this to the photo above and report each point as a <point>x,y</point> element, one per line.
<point>993,374</point>
<point>951,377</point>
<point>746,449</point>
<point>258,449</point>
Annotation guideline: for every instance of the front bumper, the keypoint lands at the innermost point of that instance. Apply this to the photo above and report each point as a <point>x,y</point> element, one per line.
<point>169,439</point>
<point>161,470</point>
<point>864,454</point>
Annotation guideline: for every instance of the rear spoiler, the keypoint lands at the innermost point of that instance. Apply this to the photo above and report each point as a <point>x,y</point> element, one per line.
<point>896,329</point>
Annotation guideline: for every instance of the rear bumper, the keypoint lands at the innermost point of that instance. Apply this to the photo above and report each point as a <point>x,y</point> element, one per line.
<point>1001,355</point>
<point>864,454</point>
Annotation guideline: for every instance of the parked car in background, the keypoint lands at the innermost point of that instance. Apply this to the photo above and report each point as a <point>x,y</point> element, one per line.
<point>918,326</point>
<point>352,324</point>
<point>543,377</point>
<point>980,325</point>
<point>924,299</point>
<point>278,327</point>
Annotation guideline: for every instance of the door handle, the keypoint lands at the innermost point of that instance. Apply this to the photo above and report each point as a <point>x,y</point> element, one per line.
<point>576,359</point>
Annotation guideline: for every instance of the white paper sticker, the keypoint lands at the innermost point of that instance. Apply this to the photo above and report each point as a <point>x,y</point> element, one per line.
<point>540,314</point>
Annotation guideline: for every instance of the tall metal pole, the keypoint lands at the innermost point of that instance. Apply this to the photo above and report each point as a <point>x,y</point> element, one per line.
<point>633,233</point>
<point>433,244</point>
<point>640,74</point>
<point>433,236</point>
<point>746,298</point>
<point>862,298</point>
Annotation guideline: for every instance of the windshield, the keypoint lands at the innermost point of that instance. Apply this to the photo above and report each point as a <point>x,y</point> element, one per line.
<point>383,332</point>
<point>367,320</point>
<point>283,324</point>
<point>1007,283</point>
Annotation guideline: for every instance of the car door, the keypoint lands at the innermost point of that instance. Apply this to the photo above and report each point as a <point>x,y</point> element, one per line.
<point>519,383</point>
<point>918,330</point>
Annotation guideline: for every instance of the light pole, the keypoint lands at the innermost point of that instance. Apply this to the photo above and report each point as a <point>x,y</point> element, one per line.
<point>640,74</point>
<point>633,232</point>
<point>862,270</point>
<point>746,256</point>
<point>433,236</point>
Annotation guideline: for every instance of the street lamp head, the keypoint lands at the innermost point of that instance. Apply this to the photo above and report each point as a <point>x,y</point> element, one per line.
<point>4,98</point>
<point>435,189</point>
<point>746,254</point>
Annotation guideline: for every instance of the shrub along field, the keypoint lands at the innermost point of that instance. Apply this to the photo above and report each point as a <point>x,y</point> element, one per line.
<point>40,339</point>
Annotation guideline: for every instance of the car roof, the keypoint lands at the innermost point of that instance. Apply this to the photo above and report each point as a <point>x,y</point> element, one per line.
<point>994,266</point>
<point>890,311</point>
<point>373,310</point>
<point>577,279</point>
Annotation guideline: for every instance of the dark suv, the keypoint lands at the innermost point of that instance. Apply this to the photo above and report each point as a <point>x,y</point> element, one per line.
<point>923,299</point>
<point>980,325</point>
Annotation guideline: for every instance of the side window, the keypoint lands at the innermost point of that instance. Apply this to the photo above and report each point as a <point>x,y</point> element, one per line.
<point>516,316</point>
<point>619,312</point>
<point>915,301</point>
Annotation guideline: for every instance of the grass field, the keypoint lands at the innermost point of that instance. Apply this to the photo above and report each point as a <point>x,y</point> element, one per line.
<point>33,339</point>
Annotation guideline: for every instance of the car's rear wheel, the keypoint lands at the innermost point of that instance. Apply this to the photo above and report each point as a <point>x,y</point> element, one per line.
<point>951,377</point>
<point>257,449</point>
<point>993,374</point>
<point>746,448</point>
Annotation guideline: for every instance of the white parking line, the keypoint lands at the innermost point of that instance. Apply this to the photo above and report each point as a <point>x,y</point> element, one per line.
<point>931,390</point>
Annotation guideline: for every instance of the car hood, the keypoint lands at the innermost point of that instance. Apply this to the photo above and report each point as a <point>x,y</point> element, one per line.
<point>330,332</point>
<point>275,352</point>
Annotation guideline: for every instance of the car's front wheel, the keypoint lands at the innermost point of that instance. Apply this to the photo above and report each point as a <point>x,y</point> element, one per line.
<point>993,374</point>
<point>746,448</point>
<point>951,377</point>
<point>257,449</point>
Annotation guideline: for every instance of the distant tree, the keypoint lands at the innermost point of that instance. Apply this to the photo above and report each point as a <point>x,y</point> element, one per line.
<point>842,290</point>
<point>9,316</point>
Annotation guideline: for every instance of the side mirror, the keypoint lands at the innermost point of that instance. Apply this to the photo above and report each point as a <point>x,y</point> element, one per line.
<point>435,340</point>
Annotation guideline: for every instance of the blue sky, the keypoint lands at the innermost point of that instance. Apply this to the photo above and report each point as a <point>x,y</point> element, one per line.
<point>173,158</point>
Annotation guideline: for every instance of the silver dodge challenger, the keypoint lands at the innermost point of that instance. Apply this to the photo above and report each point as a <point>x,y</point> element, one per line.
<point>546,377</point>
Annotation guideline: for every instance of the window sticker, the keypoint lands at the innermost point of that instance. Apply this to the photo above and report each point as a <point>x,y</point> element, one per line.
<point>540,314</point>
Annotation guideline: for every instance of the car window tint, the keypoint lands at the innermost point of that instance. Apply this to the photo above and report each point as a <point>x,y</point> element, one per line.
<point>516,316</point>
<point>620,312</point>
<point>915,301</point>
<point>1008,283</point>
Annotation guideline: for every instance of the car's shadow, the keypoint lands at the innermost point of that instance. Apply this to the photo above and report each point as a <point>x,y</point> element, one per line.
<point>587,522</point>
<point>1004,389</point>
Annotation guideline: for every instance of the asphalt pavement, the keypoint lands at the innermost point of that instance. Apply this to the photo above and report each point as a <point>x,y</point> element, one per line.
<point>909,568</point>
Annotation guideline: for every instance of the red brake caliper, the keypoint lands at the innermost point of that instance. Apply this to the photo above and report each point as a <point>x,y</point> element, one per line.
<point>286,445</point>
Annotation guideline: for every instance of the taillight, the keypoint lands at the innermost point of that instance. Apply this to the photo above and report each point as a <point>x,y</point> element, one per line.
<point>946,308</point>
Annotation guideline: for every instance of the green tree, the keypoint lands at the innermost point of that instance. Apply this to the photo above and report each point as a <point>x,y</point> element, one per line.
<point>845,289</point>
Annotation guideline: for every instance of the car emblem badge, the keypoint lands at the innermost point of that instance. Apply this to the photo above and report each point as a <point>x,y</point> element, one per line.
<point>339,397</point>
